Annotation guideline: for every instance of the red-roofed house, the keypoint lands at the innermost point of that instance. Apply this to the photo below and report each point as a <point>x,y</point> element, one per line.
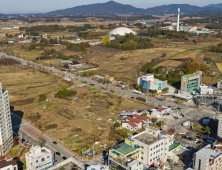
<point>163,110</point>
<point>8,163</point>
<point>144,119</point>
<point>129,125</point>
<point>133,123</point>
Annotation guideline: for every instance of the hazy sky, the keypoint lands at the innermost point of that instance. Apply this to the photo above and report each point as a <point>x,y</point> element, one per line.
<point>12,6</point>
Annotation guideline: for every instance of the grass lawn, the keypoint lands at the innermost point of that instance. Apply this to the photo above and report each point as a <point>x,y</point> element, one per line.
<point>92,89</point>
<point>185,52</point>
<point>153,39</point>
<point>49,108</point>
<point>15,150</point>
<point>156,126</point>
<point>217,74</point>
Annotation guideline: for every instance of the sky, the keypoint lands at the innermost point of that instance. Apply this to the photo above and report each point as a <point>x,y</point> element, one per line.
<point>26,6</point>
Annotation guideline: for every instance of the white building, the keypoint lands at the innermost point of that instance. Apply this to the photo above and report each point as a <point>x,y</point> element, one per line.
<point>97,166</point>
<point>122,31</point>
<point>8,163</point>
<point>154,145</point>
<point>38,158</point>
<point>206,89</point>
<point>219,129</point>
<point>6,136</point>
<point>208,159</point>
<point>148,82</point>
<point>135,164</point>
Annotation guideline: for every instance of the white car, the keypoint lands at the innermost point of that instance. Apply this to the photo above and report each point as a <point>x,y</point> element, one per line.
<point>196,140</point>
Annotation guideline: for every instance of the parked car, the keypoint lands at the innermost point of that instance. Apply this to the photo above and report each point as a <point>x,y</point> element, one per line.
<point>57,153</point>
<point>176,164</point>
<point>64,158</point>
<point>54,142</point>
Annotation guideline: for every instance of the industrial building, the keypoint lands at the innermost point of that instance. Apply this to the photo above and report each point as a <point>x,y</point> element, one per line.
<point>149,83</point>
<point>122,31</point>
<point>6,136</point>
<point>38,158</point>
<point>191,82</point>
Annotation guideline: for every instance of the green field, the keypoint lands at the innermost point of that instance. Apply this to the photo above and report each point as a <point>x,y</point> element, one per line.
<point>219,66</point>
<point>185,52</point>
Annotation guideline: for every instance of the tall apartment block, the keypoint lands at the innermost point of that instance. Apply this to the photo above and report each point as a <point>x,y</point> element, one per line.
<point>191,82</point>
<point>6,136</point>
<point>219,129</point>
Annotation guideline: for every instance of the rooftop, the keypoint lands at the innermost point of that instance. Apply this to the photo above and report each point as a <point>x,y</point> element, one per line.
<point>130,123</point>
<point>146,138</point>
<point>208,152</point>
<point>190,75</point>
<point>4,163</point>
<point>125,149</point>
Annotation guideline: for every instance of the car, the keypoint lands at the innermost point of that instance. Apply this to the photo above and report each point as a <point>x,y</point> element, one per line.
<point>54,142</point>
<point>184,137</point>
<point>177,165</point>
<point>57,153</point>
<point>199,142</point>
<point>132,97</point>
<point>64,158</point>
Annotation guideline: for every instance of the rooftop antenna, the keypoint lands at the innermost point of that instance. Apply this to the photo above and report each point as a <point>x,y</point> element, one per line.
<point>178,20</point>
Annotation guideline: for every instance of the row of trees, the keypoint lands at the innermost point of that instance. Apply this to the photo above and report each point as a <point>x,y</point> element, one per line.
<point>217,48</point>
<point>166,34</point>
<point>129,42</point>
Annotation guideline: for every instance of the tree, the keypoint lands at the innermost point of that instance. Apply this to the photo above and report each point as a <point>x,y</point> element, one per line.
<point>106,40</point>
<point>165,89</point>
<point>64,86</point>
<point>15,140</point>
<point>160,123</point>
<point>117,124</point>
<point>144,114</point>
<point>154,119</point>
<point>207,128</point>
<point>178,100</point>
<point>41,140</point>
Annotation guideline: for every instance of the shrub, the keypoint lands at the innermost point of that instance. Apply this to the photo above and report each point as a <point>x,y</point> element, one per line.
<point>195,125</point>
<point>122,133</point>
<point>64,93</point>
<point>117,124</point>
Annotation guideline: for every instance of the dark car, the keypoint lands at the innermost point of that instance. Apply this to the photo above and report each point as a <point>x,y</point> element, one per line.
<point>184,137</point>
<point>132,97</point>
<point>54,142</point>
<point>64,158</point>
<point>57,153</point>
<point>177,165</point>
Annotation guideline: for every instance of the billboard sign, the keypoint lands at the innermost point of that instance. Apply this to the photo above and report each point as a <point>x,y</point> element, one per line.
<point>144,84</point>
<point>159,86</point>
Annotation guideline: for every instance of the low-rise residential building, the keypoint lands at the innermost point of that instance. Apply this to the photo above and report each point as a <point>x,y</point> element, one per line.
<point>208,159</point>
<point>149,83</point>
<point>144,119</point>
<point>206,89</point>
<point>191,82</point>
<point>219,84</point>
<point>8,163</point>
<point>167,69</point>
<point>154,146</point>
<point>125,155</point>
<point>38,158</point>
<point>108,78</point>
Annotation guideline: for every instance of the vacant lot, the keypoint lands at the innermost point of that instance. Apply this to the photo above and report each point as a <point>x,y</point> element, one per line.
<point>171,63</point>
<point>219,65</point>
<point>75,122</point>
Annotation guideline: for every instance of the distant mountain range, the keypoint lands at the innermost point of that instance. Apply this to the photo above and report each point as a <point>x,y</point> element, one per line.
<point>113,7</point>
<point>214,6</point>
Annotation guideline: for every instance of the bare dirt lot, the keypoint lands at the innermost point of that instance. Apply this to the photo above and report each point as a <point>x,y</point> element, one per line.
<point>75,122</point>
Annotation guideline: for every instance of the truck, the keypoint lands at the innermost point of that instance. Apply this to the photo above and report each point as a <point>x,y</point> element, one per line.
<point>137,92</point>
<point>187,123</point>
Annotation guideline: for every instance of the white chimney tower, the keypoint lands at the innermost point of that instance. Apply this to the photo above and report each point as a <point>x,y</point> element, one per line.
<point>178,20</point>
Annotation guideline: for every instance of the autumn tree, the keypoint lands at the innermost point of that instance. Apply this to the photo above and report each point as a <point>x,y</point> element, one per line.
<point>106,40</point>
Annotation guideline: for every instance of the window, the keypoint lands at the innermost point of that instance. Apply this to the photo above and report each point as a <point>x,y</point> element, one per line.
<point>14,168</point>
<point>151,154</point>
<point>43,159</point>
<point>142,158</point>
<point>48,156</point>
<point>150,160</point>
<point>37,161</point>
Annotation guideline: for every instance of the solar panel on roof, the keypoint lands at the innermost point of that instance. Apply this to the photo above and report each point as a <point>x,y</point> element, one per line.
<point>116,146</point>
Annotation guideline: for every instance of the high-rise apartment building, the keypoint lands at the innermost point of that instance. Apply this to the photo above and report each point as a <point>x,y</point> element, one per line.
<point>219,128</point>
<point>6,136</point>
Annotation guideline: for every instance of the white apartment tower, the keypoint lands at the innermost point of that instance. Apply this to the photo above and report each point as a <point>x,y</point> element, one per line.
<point>219,129</point>
<point>6,136</point>
<point>178,20</point>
